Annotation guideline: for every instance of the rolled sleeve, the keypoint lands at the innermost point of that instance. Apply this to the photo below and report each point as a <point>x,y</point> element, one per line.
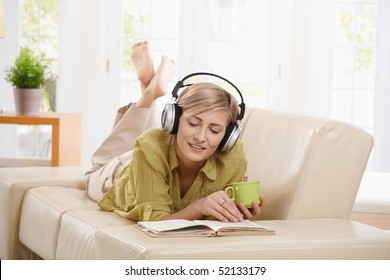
<point>142,191</point>
<point>148,211</point>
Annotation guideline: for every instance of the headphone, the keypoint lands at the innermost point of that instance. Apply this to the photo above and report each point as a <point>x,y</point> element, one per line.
<point>171,114</point>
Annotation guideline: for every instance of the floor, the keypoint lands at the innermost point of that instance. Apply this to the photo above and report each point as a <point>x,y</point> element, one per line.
<point>372,205</point>
<point>381,221</point>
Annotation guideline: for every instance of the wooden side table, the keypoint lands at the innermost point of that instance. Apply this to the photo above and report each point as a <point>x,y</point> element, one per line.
<point>66,134</point>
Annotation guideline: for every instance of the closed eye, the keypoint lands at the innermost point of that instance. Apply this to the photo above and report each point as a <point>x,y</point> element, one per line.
<point>193,124</point>
<point>215,130</point>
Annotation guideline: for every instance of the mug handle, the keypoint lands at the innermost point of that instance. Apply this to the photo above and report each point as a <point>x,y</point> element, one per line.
<point>231,191</point>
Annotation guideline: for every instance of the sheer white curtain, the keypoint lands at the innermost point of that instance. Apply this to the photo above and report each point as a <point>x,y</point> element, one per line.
<point>330,78</point>
<point>88,66</point>
<point>381,156</point>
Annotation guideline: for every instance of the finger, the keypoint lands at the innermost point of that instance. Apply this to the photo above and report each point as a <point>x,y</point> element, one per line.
<point>262,201</point>
<point>215,210</point>
<point>245,211</point>
<point>224,206</point>
<point>219,216</point>
<point>233,208</point>
<point>230,211</point>
<point>228,204</point>
<point>256,209</point>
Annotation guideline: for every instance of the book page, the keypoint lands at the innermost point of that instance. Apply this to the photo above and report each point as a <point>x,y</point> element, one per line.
<point>168,225</point>
<point>182,227</point>
<point>218,225</point>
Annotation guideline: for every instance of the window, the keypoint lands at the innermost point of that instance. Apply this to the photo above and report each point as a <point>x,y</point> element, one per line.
<point>144,20</point>
<point>39,31</point>
<point>354,55</point>
<point>215,36</point>
<point>358,86</point>
<point>350,68</point>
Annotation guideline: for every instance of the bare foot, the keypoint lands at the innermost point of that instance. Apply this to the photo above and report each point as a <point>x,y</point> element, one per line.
<point>158,86</point>
<point>142,59</point>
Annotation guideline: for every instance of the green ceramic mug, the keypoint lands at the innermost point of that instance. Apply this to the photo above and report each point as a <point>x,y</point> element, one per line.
<point>244,192</point>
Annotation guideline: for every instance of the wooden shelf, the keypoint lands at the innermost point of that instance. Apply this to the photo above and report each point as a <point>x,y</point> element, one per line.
<point>66,134</point>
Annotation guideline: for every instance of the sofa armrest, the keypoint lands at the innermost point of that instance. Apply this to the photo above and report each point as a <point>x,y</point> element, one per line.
<point>14,182</point>
<point>308,167</point>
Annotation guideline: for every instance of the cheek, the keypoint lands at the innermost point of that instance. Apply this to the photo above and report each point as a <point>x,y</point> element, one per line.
<point>182,131</point>
<point>216,139</point>
<point>183,135</point>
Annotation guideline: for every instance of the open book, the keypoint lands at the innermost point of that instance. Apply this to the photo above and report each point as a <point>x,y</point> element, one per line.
<point>179,227</point>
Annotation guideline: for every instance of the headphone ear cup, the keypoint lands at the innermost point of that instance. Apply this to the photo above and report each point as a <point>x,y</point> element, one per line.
<point>170,118</point>
<point>230,138</point>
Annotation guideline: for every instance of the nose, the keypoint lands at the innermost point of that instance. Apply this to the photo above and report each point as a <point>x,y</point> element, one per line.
<point>200,135</point>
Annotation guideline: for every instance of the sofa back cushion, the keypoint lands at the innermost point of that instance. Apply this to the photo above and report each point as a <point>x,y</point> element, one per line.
<point>308,167</point>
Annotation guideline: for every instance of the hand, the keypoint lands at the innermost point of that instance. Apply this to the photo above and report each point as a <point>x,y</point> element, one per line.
<point>254,211</point>
<point>220,205</point>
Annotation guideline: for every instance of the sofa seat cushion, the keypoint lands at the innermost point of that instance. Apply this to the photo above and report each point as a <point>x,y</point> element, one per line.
<point>41,214</point>
<point>78,227</point>
<point>14,182</point>
<point>63,223</point>
<point>295,239</point>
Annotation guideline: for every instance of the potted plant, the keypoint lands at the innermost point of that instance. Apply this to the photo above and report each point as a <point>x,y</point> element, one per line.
<point>27,76</point>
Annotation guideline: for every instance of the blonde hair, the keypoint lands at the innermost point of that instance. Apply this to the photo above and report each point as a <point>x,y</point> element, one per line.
<point>203,97</point>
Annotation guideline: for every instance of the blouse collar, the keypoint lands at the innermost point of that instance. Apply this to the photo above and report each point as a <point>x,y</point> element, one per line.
<point>209,168</point>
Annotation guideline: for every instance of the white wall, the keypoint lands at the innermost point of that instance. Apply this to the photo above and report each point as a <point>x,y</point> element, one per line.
<point>8,53</point>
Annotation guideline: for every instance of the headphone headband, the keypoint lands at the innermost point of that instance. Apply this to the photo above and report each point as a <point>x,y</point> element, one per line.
<point>180,84</point>
<point>171,114</point>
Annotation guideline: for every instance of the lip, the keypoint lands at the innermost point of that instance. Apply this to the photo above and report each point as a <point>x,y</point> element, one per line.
<point>196,148</point>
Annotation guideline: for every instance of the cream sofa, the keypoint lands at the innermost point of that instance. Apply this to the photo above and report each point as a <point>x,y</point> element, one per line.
<point>310,170</point>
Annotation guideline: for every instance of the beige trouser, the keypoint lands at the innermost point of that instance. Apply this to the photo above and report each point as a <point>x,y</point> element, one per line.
<point>115,152</point>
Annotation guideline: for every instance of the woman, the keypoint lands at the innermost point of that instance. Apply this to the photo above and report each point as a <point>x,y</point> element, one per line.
<point>168,176</point>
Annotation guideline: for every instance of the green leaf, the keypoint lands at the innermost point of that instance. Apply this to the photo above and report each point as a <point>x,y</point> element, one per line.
<point>29,70</point>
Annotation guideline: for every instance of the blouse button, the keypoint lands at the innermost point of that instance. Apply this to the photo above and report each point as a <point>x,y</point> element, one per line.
<point>148,206</point>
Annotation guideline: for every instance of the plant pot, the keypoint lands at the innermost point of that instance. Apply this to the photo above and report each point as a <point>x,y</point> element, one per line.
<point>27,100</point>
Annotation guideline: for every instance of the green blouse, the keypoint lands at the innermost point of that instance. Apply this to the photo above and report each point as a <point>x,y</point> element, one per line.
<point>148,188</point>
